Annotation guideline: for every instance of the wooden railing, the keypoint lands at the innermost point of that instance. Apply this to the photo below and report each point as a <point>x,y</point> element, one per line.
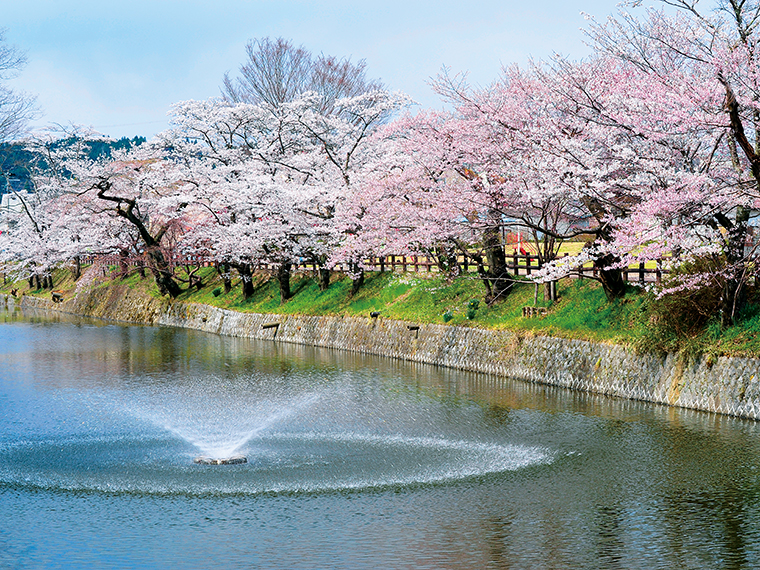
<point>517,264</point>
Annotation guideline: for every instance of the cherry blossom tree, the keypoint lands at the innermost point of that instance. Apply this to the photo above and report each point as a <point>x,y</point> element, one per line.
<point>322,96</point>
<point>644,145</point>
<point>651,146</point>
<point>700,94</point>
<point>38,235</point>
<point>279,173</point>
<point>425,200</point>
<point>128,203</point>
<point>397,206</point>
<point>522,155</point>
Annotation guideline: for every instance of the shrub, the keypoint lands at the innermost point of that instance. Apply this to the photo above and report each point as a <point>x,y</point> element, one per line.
<point>447,316</point>
<point>678,320</point>
<point>216,292</point>
<point>688,311</point>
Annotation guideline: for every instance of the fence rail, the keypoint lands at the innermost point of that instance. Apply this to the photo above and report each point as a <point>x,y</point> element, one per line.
<point>522,265</point>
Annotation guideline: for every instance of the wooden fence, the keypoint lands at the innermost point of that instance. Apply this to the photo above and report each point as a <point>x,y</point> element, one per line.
<point>517,264</point>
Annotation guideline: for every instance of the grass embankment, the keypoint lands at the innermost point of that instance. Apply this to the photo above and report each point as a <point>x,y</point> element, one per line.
<point>581,312</point>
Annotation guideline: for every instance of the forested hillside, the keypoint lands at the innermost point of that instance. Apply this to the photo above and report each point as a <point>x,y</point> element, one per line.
<point>16,160</point>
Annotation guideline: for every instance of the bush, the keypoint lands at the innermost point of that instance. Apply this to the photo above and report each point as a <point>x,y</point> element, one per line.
<point>447,316</point>
<point>688,311</point>
<point>216,292</point>
<point>678,321</point>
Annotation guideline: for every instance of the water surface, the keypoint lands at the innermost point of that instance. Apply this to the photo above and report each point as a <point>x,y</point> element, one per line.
<point>354,462</point>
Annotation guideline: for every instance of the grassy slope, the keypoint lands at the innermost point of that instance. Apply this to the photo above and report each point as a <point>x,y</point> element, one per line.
<point>582,312</point>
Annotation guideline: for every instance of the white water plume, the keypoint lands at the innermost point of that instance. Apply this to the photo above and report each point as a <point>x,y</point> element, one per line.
<point>217,423</point>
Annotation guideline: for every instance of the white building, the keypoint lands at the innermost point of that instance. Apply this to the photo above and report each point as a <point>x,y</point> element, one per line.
<point>10,204</point>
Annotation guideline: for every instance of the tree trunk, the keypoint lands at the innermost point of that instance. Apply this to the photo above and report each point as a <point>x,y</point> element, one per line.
<point>246,279</point>
<point>446,260</point>
<point>550,291</point>
<point>734,298</point>
<point>732,301</point>
<point>485,276</point>
<point>162,274</point>
<point>166,285</point>
<point>37,282</point>
<point>501,280</point>
<point>224,273</point>
<point>76,271</point>
<point>357,278</point>
<point>324,278</point>
<point>123,265</point>
<point>161,268</point>
<point>193,280</point>
<point>283,278</point>
<point>611,278</point>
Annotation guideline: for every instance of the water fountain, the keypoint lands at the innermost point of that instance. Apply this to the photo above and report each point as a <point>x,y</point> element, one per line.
<point>217,422</point>
<point>157,437</point>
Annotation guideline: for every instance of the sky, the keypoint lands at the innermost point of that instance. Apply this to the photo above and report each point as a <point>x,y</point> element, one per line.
<point>119,66</point>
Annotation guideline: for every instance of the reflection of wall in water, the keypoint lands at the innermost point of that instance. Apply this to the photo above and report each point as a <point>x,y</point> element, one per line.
<point>728,385</point>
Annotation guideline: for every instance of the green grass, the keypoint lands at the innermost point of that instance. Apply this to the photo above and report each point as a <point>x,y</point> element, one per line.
<point>581,312</point>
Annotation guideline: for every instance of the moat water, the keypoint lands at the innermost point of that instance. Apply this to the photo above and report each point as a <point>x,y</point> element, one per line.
<point>353,462</point>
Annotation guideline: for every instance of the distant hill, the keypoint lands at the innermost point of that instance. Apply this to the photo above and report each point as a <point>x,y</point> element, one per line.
<point>16,160</point>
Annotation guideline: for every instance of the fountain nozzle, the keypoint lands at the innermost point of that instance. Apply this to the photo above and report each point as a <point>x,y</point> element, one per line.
<point>234,460</point>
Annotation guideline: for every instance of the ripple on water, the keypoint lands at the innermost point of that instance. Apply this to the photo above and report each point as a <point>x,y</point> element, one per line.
<point>280,463</point>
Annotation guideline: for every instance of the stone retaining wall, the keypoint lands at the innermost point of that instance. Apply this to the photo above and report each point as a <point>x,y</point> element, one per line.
<point>726,385</point>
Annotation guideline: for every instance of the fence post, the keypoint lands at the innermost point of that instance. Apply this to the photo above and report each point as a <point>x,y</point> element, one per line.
<point>642,274</point>
<point>658,272</point>
<point>515,262</point>
<point>527,265</point>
